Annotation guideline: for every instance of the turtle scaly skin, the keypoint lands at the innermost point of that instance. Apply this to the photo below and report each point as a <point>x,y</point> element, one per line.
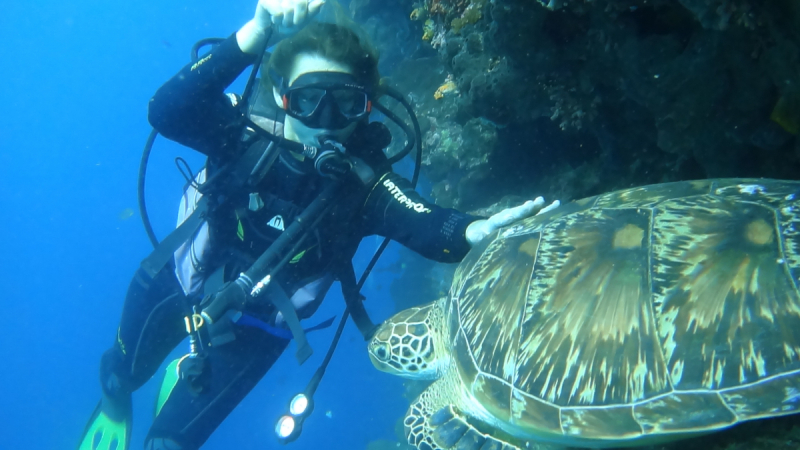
<point>632,318</point>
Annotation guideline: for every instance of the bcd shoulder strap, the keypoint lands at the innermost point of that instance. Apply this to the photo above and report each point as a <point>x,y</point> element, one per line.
<point>165,250</point>
<point>354,300</point>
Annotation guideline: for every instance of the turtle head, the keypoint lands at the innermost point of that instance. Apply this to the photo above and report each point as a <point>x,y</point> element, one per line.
<point>406,344</point>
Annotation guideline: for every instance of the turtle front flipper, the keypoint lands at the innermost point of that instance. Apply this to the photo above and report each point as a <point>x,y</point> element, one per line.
<point>433,424</point>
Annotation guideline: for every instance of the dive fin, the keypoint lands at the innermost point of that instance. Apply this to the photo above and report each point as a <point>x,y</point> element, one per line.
<point>171,377</point>
<point>104,432</point>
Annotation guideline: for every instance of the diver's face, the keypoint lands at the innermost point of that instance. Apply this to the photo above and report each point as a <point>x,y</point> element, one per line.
<point>296,130</point>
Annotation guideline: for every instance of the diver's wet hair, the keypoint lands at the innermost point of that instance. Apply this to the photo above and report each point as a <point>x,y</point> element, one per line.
<point>332,41</point>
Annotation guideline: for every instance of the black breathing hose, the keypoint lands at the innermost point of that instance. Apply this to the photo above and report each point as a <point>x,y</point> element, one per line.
<point>248,88</point>
<point>194,55</point>
<point>313,383</point>
<point>148,227</point>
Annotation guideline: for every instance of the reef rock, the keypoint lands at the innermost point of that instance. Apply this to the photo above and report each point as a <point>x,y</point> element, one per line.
<point>655,90</point>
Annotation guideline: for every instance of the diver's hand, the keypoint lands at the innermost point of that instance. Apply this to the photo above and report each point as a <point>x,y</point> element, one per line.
<point>232,296</point>
<point>284,16</point>
<point>478,230</point>
<point>290,16</point>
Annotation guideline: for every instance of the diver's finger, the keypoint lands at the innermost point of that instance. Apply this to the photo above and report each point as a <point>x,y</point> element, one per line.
<point>269,5</point>
<point>277,18</point>
<point>550,207</point>
<point>510,215</point>
<point>288,18</point>
<point>537,204</point>
<point>314,6</point>
<point>300,12</point>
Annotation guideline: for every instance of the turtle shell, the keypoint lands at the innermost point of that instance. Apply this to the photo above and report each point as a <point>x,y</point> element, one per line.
<point>665,309</point>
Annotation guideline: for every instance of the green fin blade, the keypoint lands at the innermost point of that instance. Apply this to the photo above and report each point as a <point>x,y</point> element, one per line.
<point>106,433</point>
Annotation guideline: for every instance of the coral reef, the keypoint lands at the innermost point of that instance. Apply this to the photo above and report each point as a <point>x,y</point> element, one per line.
<point>713,84</point>
<point>456,158</point>
<point>720,14</point>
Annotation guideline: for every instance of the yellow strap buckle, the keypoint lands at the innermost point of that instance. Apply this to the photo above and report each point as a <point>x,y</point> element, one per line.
<point>193,323</point>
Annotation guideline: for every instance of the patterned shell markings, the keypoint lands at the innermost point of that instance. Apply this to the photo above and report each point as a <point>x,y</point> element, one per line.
<point>486,331</point>
<point>728,306</point>
<point>631,307</point>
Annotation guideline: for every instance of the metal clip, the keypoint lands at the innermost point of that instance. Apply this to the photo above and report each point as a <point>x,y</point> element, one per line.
<point>255,202</point>
<point>260,285</point>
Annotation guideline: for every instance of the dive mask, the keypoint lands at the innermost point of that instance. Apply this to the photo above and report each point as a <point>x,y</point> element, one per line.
<point>324,100</point>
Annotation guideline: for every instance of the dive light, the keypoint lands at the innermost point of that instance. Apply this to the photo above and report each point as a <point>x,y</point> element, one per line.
<point>290,425</point>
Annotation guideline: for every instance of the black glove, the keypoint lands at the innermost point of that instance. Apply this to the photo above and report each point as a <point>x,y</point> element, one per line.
<point>196,371</point>
<point>232,296</point>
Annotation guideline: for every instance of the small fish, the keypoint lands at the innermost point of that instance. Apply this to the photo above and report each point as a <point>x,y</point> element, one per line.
<point>329,414</point>
<point>126,214</point>
<point>448,87</point>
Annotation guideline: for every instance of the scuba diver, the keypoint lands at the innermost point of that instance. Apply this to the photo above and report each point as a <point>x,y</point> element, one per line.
<point>291,185</point>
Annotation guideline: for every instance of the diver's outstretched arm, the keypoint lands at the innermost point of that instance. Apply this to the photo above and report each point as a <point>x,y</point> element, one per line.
<point>395,210</point>
<point>191,108</point>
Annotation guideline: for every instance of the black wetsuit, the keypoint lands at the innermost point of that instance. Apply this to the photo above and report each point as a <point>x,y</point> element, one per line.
<point>192,109</point>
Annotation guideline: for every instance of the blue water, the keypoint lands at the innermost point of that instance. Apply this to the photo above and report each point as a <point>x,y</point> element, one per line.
<point>75,79</point>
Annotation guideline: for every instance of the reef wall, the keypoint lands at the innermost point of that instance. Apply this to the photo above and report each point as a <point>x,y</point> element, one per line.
<point>571,98</point>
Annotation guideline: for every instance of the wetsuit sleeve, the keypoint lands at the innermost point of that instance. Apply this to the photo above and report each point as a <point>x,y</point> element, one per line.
<point>192,108</point>
<point>395,210</point>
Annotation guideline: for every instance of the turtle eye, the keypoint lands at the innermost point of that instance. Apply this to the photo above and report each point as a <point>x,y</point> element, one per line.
<point>381,351</point>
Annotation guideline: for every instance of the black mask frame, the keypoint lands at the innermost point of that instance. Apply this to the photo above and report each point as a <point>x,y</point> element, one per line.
<point>325,112</point>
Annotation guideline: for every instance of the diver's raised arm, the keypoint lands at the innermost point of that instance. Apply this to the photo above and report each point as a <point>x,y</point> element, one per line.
<point>285,17</point>
<point>192,109</point>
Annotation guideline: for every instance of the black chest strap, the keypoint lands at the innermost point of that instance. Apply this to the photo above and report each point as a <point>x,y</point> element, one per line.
<point>165,250</point>
<point>354,300</point>
<point>284,304</point>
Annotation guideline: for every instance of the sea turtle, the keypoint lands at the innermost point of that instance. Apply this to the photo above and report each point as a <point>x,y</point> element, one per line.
<point>631,318</point>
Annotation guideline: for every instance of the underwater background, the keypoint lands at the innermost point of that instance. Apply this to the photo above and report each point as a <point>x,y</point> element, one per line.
<point>76,80</point>
<point>516,98</point>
